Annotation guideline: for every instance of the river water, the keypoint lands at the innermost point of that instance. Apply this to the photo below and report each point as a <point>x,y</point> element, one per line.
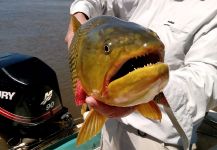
<point>38,28</point>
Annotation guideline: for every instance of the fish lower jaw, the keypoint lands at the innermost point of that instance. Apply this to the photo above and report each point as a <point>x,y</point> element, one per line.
<point>136,96</point>
<point>138,87</point>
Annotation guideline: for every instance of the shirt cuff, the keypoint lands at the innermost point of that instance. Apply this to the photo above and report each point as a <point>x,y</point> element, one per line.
<point>80,7</point>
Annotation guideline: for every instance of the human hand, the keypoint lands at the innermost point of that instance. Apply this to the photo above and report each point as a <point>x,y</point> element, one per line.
<point>82,18</point>
<point>107,110</point>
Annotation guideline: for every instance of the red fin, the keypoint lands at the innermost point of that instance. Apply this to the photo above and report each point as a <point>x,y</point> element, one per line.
<point>80,94</point>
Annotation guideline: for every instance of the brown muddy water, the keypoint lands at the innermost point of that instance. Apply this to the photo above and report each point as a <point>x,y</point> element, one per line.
<point>38,28</point>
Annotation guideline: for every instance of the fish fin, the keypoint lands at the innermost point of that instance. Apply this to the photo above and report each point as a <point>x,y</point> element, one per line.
<point>80,94</point>
<point>91,126</point>
<point>150,110</point>
<point>73,52</point>
<point>75,23</point>
<point>83,108</point>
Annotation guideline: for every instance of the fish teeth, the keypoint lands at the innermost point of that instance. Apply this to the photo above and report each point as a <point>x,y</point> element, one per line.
<point>150,64</point>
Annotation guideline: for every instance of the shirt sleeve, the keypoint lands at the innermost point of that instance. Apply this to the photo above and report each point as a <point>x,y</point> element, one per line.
<point>122,9</point>
<point>192,89</point>
<point>91,8</point>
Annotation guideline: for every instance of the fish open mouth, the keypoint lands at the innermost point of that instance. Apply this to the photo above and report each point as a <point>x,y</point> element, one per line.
<point>135,63</point>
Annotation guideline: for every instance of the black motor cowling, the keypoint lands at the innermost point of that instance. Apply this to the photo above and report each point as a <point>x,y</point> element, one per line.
<point>30,100</point>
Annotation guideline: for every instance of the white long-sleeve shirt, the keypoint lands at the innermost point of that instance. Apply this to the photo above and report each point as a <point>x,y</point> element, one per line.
<point>188,28</point>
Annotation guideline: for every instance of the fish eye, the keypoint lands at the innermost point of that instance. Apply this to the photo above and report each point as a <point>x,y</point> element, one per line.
<point>107,48</point>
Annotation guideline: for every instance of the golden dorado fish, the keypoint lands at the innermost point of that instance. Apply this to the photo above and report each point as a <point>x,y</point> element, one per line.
<point>118,63</point>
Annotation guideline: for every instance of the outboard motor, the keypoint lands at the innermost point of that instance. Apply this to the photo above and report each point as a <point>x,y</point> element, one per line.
<point>31,110</point>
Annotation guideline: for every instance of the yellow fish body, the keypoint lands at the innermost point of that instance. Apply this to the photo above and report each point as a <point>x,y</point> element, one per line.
<point>118,63</point>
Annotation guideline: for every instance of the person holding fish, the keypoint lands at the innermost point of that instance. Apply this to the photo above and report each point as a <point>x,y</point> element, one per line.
<point>150,76</point>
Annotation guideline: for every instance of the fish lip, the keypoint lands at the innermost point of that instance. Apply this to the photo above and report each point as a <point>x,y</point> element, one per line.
<point>146,50</point>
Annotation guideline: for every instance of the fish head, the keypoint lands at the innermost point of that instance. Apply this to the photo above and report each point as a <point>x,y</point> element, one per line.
<point>120,63</point>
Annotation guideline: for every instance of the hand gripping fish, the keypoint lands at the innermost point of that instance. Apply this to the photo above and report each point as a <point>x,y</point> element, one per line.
<point>118,63</point>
